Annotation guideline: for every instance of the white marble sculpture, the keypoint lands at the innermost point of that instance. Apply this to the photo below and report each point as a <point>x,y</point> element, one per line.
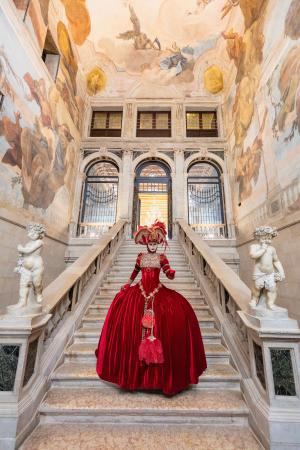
<point>268,269</point>
<point>31,268</point>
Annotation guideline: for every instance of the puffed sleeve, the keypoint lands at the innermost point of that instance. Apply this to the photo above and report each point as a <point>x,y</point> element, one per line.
<point>164,263</point>
<point>137,267</point>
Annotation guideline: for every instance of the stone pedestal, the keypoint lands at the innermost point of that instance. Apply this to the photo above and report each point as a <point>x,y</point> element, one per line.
<point>274,339</point>
<point>21,344</point>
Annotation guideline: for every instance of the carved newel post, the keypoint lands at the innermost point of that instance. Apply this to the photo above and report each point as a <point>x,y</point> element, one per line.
<point>22,334</point>
<point>274,340</point>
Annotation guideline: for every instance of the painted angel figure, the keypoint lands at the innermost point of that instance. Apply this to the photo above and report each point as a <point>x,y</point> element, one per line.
<point>153,330</point>
<point>140,39</point>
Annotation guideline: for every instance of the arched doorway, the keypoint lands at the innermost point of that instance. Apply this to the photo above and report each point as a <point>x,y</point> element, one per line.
<point>152,195</point>
<point>206,212</point>
<point>99,199</point>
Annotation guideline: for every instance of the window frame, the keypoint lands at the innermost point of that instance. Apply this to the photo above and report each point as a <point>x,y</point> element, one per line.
<point>154,132</point>
<point>201,132</point>
<point>106,132</point>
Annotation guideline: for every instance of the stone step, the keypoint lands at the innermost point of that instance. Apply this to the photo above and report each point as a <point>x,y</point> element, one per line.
<point>91,334</point>
<point>180,286</point>
<point>188,294</point>
<point>120,436</point>
<point>70,374</point>
<point>202,311</point>
<point>177,280</point>
<point>105,301</point>
<point>97,321</point>
<point>215,353</point>
<point>114,404</point>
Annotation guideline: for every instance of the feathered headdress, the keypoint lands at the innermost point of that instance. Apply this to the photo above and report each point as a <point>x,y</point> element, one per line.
<point>155,233</point>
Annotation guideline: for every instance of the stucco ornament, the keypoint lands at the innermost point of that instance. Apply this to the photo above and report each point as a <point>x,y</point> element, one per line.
<point>30,266</point>
<point>213,79</point>
<point>268,270</point>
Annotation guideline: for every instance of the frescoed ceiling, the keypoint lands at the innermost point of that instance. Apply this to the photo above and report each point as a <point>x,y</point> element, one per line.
<point>158,41</point>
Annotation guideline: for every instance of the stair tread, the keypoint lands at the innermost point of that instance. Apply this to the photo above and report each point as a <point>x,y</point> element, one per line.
<point>113,398</point>
<point>94,332</point>
<point>87,371</point>
<point>75,436</point>
<point>88,348</point>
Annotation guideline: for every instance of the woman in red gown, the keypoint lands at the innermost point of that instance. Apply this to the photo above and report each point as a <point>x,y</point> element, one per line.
<point>151,337</point>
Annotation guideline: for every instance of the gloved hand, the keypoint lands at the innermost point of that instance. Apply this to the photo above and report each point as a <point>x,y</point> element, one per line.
<point>171,274</point>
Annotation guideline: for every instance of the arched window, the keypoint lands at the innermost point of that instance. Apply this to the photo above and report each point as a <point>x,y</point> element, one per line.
<point>205,200</point>
<point>152,195</point>
<point>99,200</point>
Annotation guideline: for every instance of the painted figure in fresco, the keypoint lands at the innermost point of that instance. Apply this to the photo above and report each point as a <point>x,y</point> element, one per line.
<point>153,329</point>
<point>44,164</point>
<point>234,44</point>
<point>141,40</point>
<point>248,164</point>
<point>30,266</point>
<point>12,133</point>
<point>181,58</point>
<point>268,269</point>
<point>38,92</point>
<point>289,87</point>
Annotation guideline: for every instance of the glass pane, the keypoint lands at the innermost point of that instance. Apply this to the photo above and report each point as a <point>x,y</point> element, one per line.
<point>146,121</point>
<point>283,374</point>
<point>192,121</point>
<point>162,120</point>
<point>9,356</point>
<point>208,122</point>
<point>153,170</point>
<point>103,169</point>
<point>99,121</point>
<point>203,170</point>
<point>115,120</point>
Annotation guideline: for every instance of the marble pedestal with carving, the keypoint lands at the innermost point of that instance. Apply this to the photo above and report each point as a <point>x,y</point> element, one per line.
<point>275,371</point>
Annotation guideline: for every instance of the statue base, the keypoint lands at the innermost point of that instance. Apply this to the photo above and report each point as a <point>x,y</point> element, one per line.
<point>270,319</point>
<point>25,311</point>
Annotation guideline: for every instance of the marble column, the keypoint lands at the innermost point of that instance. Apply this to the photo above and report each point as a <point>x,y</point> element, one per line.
<point>125,187</point>
<point>178,186</point>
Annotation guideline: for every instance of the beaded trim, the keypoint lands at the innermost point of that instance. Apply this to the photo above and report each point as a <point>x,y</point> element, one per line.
<point>150,260</point>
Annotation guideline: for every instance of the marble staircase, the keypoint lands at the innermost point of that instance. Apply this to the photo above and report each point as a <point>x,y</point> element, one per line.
<point>81,412</point>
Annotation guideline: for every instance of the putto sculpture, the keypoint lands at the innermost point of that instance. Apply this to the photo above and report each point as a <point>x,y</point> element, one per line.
<point>31,268</point>
<point>268,269</point>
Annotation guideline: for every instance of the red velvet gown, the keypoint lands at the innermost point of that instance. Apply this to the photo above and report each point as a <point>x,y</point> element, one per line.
<point>176,325</point>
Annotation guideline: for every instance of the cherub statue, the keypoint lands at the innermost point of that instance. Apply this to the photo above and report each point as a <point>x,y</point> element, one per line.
<point>268,269</point>
<point>31,267</point>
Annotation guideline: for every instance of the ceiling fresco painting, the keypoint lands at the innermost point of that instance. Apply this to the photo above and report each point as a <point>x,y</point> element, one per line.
<point>156,42</point>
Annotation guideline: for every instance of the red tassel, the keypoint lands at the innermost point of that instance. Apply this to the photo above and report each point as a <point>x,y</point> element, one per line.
<point>151,351</point>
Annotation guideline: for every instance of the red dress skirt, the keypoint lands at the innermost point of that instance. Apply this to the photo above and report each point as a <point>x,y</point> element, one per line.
<point>176,325</point>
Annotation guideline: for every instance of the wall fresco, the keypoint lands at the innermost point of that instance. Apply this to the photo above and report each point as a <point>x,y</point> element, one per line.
<point>38,139</point>
<point>264,107</point>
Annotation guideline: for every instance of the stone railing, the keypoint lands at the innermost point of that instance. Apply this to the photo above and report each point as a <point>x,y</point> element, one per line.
<point>222,287</point>
<point>211,230</point>
<point>31,347</point>
<point>92,230</point>
<point>264,344</point>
